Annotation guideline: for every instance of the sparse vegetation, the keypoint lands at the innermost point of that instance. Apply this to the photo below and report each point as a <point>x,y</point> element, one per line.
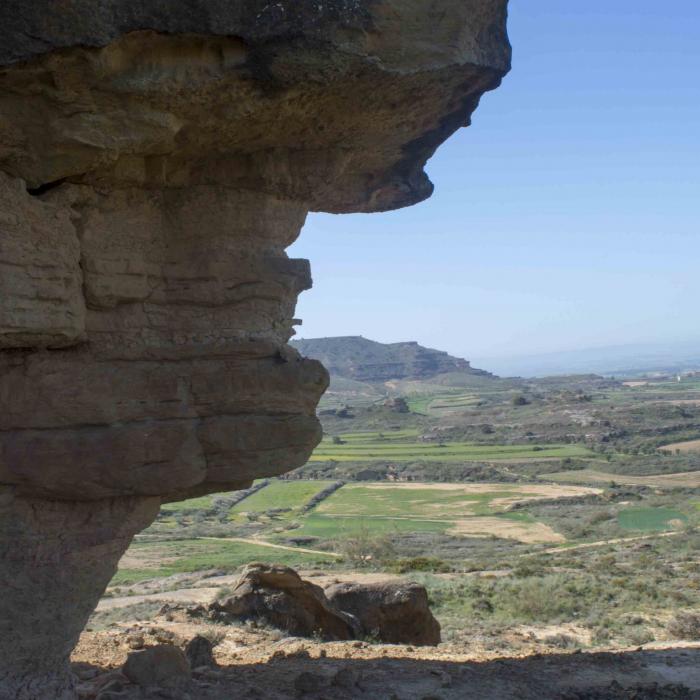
<point>450,493</point>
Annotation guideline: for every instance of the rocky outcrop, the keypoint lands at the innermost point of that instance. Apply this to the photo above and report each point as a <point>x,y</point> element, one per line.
<point>360,359</point>
<point>396,613</point>
<point>155,163</point>
<point>276,595</point>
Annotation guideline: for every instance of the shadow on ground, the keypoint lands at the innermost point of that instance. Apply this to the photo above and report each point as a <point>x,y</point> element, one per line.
<point>672,674</point>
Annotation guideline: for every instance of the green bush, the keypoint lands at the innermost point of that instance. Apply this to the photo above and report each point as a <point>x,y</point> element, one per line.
<point>423,564</point>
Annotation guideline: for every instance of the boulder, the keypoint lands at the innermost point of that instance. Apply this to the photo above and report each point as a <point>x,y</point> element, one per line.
<point>396,613</point>
<point>200,652</point>
<point>278,596</point>
<point>165,666</point>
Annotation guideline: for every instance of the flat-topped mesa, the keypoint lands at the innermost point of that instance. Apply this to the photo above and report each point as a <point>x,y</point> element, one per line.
<point>154,166</point>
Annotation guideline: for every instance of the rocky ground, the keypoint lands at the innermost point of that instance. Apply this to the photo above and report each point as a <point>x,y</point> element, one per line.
<point>255,662</point>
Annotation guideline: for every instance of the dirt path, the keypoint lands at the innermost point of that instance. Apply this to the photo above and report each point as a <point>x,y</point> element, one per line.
<point>263,543</point>
<point>187,596</point>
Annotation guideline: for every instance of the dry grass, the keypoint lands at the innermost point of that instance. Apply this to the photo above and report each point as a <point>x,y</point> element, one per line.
<point>529,533</point>
<point>679,480</point>
<point>687,446</point>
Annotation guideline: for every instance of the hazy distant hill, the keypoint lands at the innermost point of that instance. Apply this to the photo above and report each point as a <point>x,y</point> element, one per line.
<point>614,360</point>
<point>360,359</point>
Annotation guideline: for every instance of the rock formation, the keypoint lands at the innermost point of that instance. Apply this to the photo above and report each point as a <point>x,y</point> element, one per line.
<point>278,596</point>
<point>156,159</point>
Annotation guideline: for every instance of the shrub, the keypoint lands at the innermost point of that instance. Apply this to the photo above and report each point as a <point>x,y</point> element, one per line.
<point>685,626</point>
<point>539,599</point>
<point>366,549</point>
<point>425,564</point>
<point>562,641</point>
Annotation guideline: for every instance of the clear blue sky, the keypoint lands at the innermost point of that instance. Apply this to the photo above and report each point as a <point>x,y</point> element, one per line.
<point>565,217</point>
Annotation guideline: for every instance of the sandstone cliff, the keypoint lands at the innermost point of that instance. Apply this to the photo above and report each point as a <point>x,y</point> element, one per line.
<point>155,162</point>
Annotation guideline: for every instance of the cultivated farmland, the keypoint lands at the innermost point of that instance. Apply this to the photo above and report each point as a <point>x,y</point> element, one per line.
<point>381,447</point>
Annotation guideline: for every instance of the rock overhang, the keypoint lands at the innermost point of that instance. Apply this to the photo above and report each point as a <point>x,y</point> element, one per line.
<point>338,104</point>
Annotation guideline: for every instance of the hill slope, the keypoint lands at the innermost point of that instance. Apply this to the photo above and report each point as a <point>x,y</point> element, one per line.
<point>355,357</point>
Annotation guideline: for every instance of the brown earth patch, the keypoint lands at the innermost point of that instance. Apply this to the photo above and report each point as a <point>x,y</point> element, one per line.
<point>529,533</point>
<point>687,446</point>
<point>678,480</point>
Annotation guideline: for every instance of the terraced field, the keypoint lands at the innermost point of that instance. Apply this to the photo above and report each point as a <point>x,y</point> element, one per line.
<point>442,404</point>
<point>392,447</point>
<point>593,476</point>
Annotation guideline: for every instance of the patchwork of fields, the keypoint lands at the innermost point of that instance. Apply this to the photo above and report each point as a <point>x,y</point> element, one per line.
<point>402,446</point>
<point>468,510</point>
<point>281,510</point>
<point>464,474</point>
<point>287,526</point>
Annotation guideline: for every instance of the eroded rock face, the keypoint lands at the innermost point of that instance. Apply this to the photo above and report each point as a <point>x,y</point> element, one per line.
<point>185,298</point>
<point>155,162</point>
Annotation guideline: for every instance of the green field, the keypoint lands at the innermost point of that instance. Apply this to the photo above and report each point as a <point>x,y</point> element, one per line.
<point>386,508</point>
<point>650,519</point>
<point>333,527</point>
<point>376,437</point>
<point>391,449</point>
<point>280,494</point>
<point>404,501</point>
<point>192,504</point>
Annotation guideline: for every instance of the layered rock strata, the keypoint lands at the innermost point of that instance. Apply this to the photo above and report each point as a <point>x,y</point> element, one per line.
<point>155,163</point>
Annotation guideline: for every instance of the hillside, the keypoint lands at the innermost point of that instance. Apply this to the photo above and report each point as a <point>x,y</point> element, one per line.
<point>361,359</point>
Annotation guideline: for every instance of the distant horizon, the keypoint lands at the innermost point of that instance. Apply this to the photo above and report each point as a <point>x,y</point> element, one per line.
<point>563,218</point>
<point>569,361</point>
